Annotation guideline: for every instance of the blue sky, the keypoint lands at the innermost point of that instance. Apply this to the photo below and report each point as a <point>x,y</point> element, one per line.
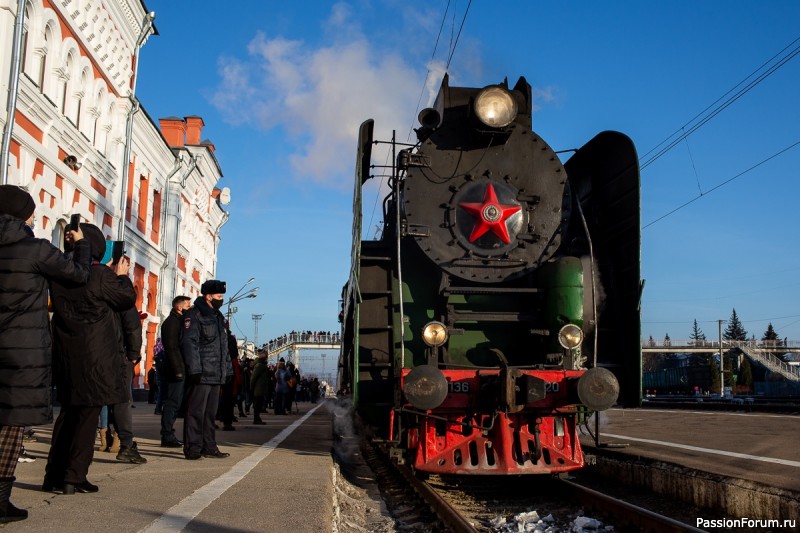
<point>282,87</point>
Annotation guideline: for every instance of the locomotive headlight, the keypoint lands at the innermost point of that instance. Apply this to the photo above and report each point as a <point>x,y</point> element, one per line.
<point>434,334</point>
<point>495,107</point>
<point>570,336</point>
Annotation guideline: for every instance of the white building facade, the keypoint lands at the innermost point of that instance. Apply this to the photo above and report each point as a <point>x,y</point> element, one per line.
<point>70,138</point>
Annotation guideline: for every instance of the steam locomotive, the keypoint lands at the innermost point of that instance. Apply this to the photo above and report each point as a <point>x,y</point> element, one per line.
<point>500,306</point>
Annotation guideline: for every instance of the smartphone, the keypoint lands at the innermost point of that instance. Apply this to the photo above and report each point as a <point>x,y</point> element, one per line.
<point>117,251</point>
<point>74,223</point>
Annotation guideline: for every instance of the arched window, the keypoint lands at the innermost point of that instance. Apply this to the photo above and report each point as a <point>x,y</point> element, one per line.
<point>95,113</point>
<point>108,129</point>
<point>59,230</point>
<point>79,99</point>
<point>64,80</point>
<point>25,27</point>
<point>48,39</point>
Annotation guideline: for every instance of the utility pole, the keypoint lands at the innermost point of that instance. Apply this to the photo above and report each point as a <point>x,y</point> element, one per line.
<point>256,318</point>
<point>721,362</point>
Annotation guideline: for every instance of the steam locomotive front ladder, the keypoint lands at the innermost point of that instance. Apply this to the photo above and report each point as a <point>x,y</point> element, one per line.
<point>375,373</point>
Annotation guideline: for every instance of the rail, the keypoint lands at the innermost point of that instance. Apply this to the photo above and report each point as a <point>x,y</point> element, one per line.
<point>626,514</point>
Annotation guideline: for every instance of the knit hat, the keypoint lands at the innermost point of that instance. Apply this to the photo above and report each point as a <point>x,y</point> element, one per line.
<point>16,202</point>
<point>96,238</point>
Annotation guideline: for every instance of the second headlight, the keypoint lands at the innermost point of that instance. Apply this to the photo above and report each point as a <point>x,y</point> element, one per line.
<point>570,336</point>
<point>434,334</point>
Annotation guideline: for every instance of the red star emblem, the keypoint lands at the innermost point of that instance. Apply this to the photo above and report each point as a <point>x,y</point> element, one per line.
<point>490,215</point>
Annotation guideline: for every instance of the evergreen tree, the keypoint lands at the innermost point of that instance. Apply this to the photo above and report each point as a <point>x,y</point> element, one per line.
<point>713,368</point>
<point>745,377</point>
<point>697,334</point>
<point>771,339</point>
<point>771,336</point>
<point>698,339</point>
<point>735,330</point>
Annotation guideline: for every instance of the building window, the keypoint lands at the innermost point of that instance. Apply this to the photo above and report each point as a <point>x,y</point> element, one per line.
<point>141,222</point>
<point>59,231</point>
<point>156,221</point>
<point>25,36</point>
<point>48,38</point>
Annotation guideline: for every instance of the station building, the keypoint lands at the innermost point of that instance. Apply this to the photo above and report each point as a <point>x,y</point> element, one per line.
<point>81,143</point>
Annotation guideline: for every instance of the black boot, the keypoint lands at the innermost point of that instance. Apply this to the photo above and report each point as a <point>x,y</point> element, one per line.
<point>9,513</point>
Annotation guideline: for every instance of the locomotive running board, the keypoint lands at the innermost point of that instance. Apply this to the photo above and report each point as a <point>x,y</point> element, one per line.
<point>604,178</point>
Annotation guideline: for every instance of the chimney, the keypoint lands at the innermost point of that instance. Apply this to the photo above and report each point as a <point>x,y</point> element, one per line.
<point>194,128</point>
<point>174,130</point>
<point>208,144</point>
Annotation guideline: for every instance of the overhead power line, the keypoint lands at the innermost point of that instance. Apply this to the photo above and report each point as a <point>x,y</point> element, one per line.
<point>428,74</point>
<point>455,44</point>
<point>784,56</point>
<point>740,174</point>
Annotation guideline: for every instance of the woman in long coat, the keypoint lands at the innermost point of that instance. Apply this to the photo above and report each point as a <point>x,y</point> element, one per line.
<point>26,265</point>
<point>89,364</point>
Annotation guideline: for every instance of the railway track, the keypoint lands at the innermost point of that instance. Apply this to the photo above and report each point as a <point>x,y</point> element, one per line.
<point>471,504</point>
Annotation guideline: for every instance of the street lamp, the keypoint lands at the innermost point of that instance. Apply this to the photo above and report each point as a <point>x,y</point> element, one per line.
<point>252,293</point>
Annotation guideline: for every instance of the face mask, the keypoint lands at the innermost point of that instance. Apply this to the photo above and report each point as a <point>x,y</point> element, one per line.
<point>216,304</point>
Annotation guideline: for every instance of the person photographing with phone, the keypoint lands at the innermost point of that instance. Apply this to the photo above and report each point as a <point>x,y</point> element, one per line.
<point>90,362</point>
<point>27,264</point>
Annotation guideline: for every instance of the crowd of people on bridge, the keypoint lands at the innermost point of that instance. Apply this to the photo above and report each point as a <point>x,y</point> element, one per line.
<point>89,348</point>
<point>312,337</point>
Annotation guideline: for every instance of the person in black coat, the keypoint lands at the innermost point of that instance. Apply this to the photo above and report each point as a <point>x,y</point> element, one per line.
<point>204,345</point>
<point>230,388</point>
<point>174,370</point>
<point>131,346</point>
<point>89,363</point>
<point>26,265</point>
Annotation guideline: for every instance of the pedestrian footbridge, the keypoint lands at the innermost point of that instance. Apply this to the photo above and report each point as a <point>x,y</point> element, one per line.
<point>761,352</point>
<point>294,342</point>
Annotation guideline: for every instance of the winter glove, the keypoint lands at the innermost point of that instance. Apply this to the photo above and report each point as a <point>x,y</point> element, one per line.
<point>134,357</point>
<point>178,377</point>
<point>194,379</point>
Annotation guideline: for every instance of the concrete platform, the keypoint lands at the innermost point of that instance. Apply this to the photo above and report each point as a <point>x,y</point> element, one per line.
<point>744,464</point>
<point>278,478</point>
<point>757,447</point>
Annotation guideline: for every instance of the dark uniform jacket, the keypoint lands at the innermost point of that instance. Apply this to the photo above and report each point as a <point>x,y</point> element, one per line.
<point>91,327</point>
<point>26,264</point>
<point>174,369</point>
<point>204,344</point>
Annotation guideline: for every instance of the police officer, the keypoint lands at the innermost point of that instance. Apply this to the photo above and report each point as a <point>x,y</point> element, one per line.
<point>204,346</point>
